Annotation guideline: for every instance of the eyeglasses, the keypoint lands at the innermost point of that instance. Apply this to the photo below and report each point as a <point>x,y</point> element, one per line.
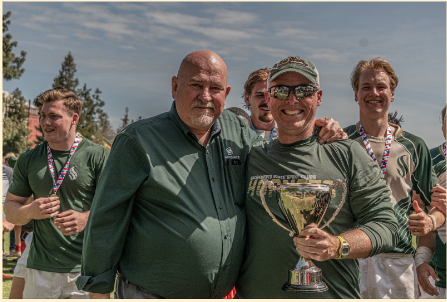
<point>300,91</point>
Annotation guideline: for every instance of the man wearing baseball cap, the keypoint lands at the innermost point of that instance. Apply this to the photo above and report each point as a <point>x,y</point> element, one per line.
<point>364,226</point>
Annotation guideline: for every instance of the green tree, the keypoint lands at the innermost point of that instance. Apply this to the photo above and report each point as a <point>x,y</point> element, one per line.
<point>12,64</point>
<point>125,121</point>
<point>93,119</point>
<point>15,123</point>
<point>66,77</point>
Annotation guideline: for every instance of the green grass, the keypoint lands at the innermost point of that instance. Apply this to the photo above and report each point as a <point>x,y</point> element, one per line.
<point>7,264</point>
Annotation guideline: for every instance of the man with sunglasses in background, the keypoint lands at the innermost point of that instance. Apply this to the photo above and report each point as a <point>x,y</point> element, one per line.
<point>365,225</point>
<point>407,170</point>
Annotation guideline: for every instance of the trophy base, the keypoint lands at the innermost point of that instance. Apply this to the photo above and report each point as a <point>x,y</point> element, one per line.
<point>305,277</point>
<point>314,288</point>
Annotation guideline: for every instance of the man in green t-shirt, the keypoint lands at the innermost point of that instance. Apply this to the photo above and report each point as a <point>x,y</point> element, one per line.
<point>365,225</point>
<point>61,173</point>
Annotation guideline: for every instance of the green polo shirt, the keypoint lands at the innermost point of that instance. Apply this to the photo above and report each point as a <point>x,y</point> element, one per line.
<point>52,251</point>
<point>169,212</point>
<point>270,251</point>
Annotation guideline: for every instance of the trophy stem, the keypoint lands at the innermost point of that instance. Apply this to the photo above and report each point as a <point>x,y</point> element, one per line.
<point>305,277</point>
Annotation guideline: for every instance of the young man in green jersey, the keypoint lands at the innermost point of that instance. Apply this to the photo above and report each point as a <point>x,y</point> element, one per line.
<point>172,214</point>
<point>406,165</point>
<point>438,153</point>
<point>61,173</point>
<point>365,225</point>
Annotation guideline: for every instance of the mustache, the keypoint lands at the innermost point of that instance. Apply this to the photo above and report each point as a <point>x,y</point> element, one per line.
<point>199,103</point>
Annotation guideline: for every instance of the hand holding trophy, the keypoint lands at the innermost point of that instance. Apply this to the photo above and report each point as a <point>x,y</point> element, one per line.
<point>303,204</point>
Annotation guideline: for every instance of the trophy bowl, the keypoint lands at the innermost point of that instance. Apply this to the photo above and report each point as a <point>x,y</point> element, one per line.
<point>303,204</point>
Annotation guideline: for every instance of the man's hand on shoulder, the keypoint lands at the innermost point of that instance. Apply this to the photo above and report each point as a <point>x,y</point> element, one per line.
<point>330,130</point>
<point>71,222</point>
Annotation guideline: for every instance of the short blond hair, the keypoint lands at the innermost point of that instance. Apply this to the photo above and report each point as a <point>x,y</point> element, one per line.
<point>374,64</point>
<point>69,98</point>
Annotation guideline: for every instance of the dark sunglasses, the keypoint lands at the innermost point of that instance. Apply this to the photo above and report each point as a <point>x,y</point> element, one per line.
<point>301,91</point>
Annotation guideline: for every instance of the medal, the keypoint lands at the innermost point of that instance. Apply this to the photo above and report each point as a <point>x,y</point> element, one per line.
<point>61,177</point>
<point>386,152</point>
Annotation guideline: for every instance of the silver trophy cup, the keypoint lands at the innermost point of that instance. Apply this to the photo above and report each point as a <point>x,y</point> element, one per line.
<point>303,204</point>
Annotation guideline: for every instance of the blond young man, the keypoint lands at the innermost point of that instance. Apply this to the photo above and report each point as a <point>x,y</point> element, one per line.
<point>61,173</point>
<point>405,160</point>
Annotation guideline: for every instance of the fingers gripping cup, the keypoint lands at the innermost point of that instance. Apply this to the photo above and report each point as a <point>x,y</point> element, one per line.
<point>303,204</point>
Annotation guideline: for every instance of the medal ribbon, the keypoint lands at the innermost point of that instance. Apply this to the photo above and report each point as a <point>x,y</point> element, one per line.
<point>386,152</point>
<point>443,149</point>
<point>73,148</point>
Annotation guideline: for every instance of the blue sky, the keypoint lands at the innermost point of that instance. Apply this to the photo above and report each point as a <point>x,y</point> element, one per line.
<point>131,50</point>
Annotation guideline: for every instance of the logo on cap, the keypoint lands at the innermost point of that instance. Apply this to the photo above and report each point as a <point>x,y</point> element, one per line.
<point>290,60</point>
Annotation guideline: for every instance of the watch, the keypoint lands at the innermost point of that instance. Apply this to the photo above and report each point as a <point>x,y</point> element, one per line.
<point>345,248</point>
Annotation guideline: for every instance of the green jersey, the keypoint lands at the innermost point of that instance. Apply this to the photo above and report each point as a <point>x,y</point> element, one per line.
<point>437,154</point>
<point>270,251</point>
<point>409,168</point>
<point>440,264</point>
<point>51,250</point>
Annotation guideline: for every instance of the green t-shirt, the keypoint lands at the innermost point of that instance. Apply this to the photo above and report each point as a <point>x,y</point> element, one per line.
<point>51,250</point>
<point>170,211</point>
<point>409,168</point>
<point>440,259</point>
<point>437,154</point>
<point>270,252</point>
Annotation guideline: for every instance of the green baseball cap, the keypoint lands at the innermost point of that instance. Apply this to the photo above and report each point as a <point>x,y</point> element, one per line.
<point>12,162</point>
<point>295,64</point>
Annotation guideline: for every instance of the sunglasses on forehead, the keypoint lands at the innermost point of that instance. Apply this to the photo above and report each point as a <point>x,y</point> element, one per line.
<point>300,91</point>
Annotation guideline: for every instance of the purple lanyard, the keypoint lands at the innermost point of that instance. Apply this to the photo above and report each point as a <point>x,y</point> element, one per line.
<point>73,148</point>
<point>386,152</point>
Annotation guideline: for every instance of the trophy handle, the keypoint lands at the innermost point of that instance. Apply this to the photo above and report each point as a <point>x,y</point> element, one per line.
<point>336,183</point>
<point>270,184</point>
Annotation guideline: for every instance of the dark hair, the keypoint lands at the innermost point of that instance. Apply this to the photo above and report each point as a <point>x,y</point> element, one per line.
<point>392,118</point>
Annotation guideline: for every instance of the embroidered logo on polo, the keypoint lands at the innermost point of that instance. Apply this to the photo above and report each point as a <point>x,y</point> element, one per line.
<point>72,174</point>
<point>231,158</point>
<point>290,60</point>
<point>403,168</point>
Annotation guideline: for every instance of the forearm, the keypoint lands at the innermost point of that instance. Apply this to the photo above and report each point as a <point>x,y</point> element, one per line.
<point>359,242</point>
<point>439,217</point>
<point>16,213</point>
